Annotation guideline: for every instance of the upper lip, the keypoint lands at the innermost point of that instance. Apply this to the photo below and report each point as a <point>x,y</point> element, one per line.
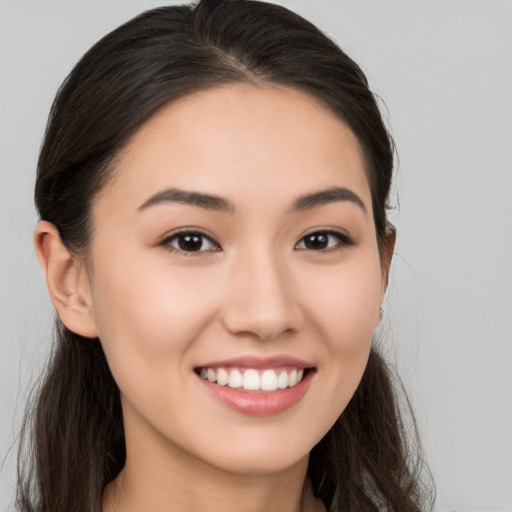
<point>258,362</point>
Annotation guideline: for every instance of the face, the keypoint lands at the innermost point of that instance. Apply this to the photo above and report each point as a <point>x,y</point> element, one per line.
<point>235,250</point>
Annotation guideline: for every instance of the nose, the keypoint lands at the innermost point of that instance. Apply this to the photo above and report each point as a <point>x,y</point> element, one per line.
<point>261,302</point>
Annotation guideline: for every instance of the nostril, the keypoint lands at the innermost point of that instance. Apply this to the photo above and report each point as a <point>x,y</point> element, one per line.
<point>261,304</point>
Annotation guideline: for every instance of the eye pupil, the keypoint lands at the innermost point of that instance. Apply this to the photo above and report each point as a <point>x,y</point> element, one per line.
<point>190,242</point>
<point>317,241</point>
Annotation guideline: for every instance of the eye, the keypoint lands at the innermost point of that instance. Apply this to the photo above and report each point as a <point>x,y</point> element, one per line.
<point>324,241</point>
<point>190,241</point>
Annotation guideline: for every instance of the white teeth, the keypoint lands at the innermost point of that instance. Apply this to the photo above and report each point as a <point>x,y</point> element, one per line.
<point>282,380</point>
<point>235,379</point>
<point>222,377</point>
<point>252,379</point>
<point>268,380</point>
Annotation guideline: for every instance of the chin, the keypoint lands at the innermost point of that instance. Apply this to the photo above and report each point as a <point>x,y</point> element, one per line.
<point>267,463</point>
<point>260,452</point>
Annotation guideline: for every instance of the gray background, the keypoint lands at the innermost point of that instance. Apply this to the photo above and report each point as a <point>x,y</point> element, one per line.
<point>444,69</point>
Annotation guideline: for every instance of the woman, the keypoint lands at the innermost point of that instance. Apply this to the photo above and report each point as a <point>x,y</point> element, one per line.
<point>212,191</point>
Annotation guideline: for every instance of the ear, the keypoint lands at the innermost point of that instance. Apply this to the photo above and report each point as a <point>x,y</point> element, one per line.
<point>67,281</point>
<point>387,255</point>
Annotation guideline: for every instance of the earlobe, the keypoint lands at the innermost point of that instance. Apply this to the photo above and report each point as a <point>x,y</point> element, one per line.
<point>66,279</point>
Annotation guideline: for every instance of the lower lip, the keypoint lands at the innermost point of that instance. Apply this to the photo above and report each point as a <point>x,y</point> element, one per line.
<point>260,403</point>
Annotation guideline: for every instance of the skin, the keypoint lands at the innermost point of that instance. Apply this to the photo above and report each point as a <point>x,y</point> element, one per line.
<point>254,291</point>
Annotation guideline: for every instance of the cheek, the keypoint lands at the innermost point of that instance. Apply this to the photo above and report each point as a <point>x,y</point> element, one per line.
<point>153,299</point>
<point>148,315</point>
<point>344,304</point>
<point>343,313</point>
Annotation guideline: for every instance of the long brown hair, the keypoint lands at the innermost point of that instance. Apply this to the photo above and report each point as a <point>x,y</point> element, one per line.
<point>73,438</point>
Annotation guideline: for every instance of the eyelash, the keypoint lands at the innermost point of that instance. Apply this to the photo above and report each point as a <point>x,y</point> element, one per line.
<point>343,241</point>
<point>168,241</point>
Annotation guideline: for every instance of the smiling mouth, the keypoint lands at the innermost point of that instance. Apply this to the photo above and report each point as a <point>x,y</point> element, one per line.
<point>254,380</point>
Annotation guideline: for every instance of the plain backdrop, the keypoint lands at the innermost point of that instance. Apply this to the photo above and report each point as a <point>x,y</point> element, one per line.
<point>444,70</point>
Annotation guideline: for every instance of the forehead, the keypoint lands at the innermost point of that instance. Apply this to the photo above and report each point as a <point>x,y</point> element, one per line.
<point>273,141</point>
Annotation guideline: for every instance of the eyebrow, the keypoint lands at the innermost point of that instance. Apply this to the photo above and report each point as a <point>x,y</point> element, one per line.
<point>175,195</point>
<point>216,203</point>
<point>330,195</point>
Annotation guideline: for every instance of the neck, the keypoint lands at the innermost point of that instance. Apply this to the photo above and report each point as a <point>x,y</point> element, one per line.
<point>161,481</point>
<point>251,494</point>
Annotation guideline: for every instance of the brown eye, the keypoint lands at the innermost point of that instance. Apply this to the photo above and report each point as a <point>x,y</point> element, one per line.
<point>191,241</point>
<point>324,241</point>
